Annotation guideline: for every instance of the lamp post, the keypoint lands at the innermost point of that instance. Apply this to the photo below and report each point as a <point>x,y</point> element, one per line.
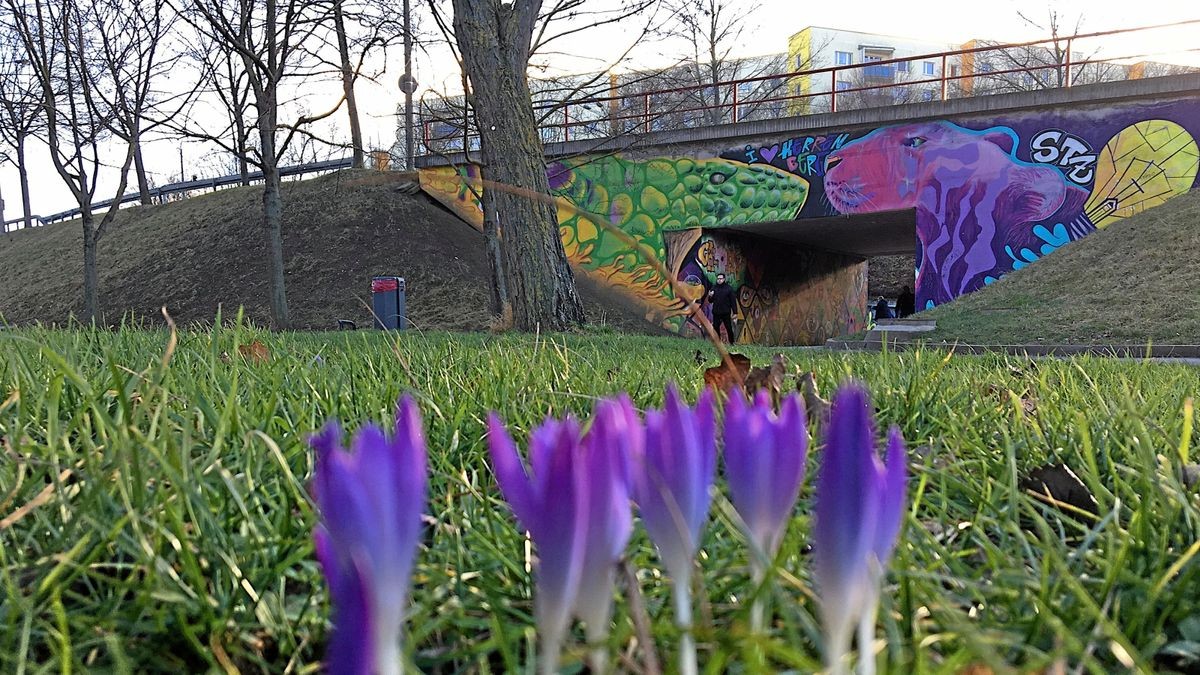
<point>408,85</point>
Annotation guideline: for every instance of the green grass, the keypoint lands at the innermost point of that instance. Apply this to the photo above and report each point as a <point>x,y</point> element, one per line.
<point>180,538</point>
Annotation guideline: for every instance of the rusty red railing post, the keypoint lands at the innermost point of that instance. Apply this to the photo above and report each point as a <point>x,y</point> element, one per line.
<point>1067,75</point>
<point>944,77</point>
<point>734,116</point>
<point>566,122</point>
<point>833,90</point>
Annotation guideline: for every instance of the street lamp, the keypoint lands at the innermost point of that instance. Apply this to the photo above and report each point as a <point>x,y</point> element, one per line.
<point>408,85</point>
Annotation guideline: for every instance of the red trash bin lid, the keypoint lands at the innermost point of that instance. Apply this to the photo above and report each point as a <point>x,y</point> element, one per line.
<point>385,284</point>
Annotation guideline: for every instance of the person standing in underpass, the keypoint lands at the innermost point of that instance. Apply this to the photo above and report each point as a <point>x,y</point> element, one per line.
<point>723,301</point>
<point>905,303</point>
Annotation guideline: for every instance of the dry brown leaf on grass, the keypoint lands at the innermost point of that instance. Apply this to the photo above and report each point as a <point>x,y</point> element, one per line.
<point>255,352</point>
<point>1059,486</point>
<point>769,378</point>
<point>817,407</point>
<point>724,379</point>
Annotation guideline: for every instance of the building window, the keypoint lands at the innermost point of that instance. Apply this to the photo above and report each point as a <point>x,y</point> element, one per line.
<point>843,58</point>
<point>985,68</point>
<point>928,67</point>
<point>799,62</point>
<point>902,67</point>
<point>927,95</point>
<point>843,85</point>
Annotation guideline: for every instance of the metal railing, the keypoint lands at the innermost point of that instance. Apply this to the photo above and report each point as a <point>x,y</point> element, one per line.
<point>988,69</point>
<point>160,194</point>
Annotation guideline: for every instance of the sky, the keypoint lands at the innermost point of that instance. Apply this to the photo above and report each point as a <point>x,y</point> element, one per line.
<point>766,31</point>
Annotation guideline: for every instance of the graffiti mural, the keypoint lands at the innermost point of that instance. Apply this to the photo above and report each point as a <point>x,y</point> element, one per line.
<point>647,200</point>
<point>989,195</point>
<point>993,197</point>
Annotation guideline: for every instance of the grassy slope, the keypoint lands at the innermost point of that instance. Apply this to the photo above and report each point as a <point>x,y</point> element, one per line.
<point>208,250</point>
<point>181,541</point>
<point>1136,281</point>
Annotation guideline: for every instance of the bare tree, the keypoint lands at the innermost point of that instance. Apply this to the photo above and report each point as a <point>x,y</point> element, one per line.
<point>495,39</point>
<point>20,109</point>
<point>1050,65</point>
<point>362,29</point>
<point>713,29</point>
<point>273,40</point>
<point>131,50</point>
<point>224,79</point>
<point>59,37</point>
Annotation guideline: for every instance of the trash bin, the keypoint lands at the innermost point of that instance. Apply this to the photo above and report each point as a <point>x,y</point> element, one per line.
<point>388,303</point>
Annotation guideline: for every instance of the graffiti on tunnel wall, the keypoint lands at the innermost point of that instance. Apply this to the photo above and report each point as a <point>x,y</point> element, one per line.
<point>991,198</point>
<point>653,201</point>
<point>990,195</point>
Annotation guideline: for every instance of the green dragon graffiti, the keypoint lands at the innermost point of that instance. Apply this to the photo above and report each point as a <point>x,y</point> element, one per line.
<point>647,199</point>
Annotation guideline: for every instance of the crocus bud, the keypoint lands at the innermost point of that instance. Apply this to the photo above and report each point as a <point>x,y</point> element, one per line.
<point>551,503</point>
<point>764,464</point>
<point>671,481</point>
<point>859,511</point>
<point>370,501</point>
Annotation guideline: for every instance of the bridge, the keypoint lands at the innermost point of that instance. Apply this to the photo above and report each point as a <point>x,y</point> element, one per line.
<point>795,190</point>
<point>791,208</point>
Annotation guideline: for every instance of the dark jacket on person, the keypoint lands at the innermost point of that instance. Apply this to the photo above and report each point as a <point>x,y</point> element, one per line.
<point>882,311</point>
<point>905,303</point>
<point>723,299</point>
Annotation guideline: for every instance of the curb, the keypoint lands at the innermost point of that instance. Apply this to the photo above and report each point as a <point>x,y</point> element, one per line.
<point>1111,350</point>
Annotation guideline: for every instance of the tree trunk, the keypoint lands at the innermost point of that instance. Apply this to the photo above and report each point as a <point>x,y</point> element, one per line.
<point>273,218</point>
<point>23,172</point>
<point>356,140</point>
<point>491,234</point>
<point>91,278</point>
<point>240,143</point>
<point>494,41</point>
<point>139,168</point>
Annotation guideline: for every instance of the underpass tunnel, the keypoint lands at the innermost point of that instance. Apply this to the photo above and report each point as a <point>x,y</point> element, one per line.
<point>799,282</point>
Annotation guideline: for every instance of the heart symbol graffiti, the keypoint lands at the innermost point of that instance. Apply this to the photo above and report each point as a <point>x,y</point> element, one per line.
<point>769,154</point>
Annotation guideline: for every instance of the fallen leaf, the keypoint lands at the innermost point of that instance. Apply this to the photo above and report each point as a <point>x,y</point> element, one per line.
<point>818,408</point>
<point>1057,485</point>
<point>255,352</point>
<point>724,379</point>
<point>768,378</point>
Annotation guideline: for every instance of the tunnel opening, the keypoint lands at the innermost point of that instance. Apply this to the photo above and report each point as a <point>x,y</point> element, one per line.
<point>804,281</point>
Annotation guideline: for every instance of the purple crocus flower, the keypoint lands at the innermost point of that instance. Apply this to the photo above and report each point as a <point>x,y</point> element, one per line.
<point>551,502</point>
<point>859,512</point>
<point>764,463</point>
<point>615,436</point>
<point>370,501</point>
<point>671,484</point>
